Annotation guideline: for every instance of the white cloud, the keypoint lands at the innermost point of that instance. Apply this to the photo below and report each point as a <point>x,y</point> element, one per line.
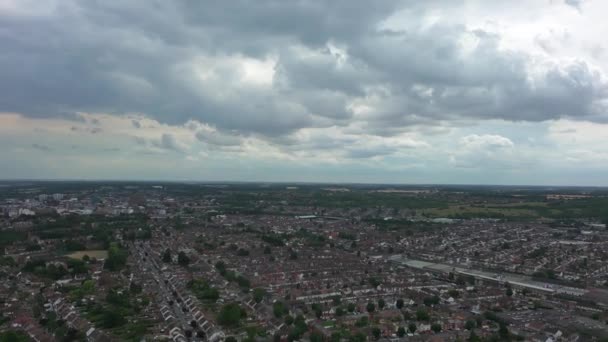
<point>486,141</point>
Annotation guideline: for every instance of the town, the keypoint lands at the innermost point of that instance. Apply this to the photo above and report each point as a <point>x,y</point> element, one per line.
<point>133,261</point>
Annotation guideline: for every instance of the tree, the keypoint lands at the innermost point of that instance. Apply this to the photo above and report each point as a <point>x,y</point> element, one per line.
<point>412,327</point>
<point>135,288</point>
<point>376,332</point>
<point>319,313</point>
<point>436,327</point>
<point>351,307</point>
<point>166,255</point>
<point>381,303</point>
<point>509,292</point>
<point>473,337</point>
<point>279,309</point>
<point>422,315</point>
<point>469,325</point>
<point>258,294</point>
<point>299,328</point>
<point>230,315</point>
<point>454,293</point>
<point>399,303</point>
<point>202,290</point>
<point>339,312</point>
<point>220,266</point>
<point>267,250</point>
<point>370,307</point>
<point>374,282</point>
<point>429,301</point>
<point>316,337</point>
<point>503,331</point>
<point>289,320</point>
<point>358,337</point>
<point>112,319</point>
<point>401,332</point>
<point>183,259</point>
<point>117,258</point>
<point>13,336</point>
<point>230,339</point>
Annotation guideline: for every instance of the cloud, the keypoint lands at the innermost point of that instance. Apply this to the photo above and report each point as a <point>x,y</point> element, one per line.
<point>574,3</point>
<point>169,142</point>
<point>329,82</point>
<point>218,139</point>
<point>42,148</point>
<point>273,68</point>
<point>486,141</point>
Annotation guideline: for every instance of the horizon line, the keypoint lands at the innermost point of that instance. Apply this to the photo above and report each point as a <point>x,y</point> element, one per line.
<point>185,181</point>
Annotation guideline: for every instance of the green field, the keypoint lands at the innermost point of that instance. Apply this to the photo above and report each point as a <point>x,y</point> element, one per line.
<point>98,254</point>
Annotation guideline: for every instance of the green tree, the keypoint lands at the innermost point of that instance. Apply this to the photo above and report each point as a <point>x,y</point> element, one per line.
<point>422,315</point>
<point>473,337</point>
<point>135,288</point>
<point>117,258</point>
<point>436,327</point>
<point>412,327</point>
<point>429,301</point>
<point>401,332</point>
<point>376,332</point>
<point>258,294</point>
<point>112,319</point>
<point>370,307</point>
<point>362,322</point>
<point>469,325</point>
<point>381,303</point>
<point>509,292</point>
<point>13,336</point>
<point>503,331</point>
<point>202,290</point>
<point>279,309</point>
<point>166,255</point>
<point>351,307</point>
<point>230,315</point>
<point>399,303</point>
<point>358,337</point>
<point>316,337</point>
<point>183,259</point>
<point>454,293</point>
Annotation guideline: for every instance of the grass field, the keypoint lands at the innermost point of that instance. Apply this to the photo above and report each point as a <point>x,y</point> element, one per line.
<point>98,254</point>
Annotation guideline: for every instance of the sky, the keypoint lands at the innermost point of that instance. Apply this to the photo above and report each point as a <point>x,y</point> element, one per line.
<point>389,91</point>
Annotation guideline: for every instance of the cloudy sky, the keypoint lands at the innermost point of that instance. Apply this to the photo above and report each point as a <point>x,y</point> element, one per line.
<point>391,91</point>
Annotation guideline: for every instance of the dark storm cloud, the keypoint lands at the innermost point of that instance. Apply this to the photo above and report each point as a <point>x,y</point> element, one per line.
<point>140,57</point>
